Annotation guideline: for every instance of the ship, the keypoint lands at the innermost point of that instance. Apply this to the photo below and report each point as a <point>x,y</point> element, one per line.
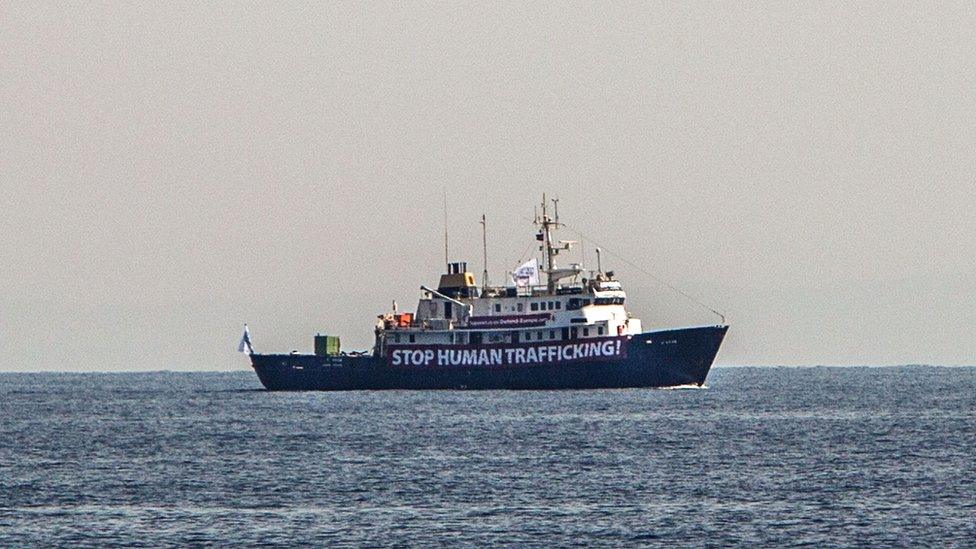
<point>572,331</point>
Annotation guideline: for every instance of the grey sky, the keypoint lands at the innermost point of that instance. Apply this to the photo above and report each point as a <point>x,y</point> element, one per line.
<point>169,171</point>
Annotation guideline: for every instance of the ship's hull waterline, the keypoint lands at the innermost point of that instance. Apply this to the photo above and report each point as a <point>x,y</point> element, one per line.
<point>666,358</point>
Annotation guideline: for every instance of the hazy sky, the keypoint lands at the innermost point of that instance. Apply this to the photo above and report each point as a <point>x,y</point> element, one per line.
<point>172,170</point>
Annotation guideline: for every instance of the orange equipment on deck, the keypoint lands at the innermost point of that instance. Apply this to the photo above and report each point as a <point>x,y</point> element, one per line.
<point>403,320</point>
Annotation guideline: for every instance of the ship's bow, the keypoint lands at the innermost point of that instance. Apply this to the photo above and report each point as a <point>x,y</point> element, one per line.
<point>679,357</point>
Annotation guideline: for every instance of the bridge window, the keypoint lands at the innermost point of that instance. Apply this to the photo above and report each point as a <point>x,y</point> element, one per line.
<point>577,303</point>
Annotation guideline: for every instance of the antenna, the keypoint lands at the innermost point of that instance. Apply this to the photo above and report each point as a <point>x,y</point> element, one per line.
<point>599,267</point>
<point>447,262</point>
<point>484,248</point>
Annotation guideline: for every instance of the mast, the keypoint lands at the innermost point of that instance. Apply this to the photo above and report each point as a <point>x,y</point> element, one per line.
<point>447,262</point>
<point>484,249</point>
<point>548,224</point>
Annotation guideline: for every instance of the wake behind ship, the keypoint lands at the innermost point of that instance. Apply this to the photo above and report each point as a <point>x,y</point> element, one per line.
<point>573,332</point>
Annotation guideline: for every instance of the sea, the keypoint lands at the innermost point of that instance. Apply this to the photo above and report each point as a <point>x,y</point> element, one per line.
<point>761,456</point>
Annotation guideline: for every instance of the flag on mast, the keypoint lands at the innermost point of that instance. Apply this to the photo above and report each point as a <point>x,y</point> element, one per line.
<point>245,344</point>
<point>527,274</point>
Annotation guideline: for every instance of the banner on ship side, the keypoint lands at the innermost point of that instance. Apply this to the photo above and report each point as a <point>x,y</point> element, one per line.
<point>607,348</point>
<point>508,321</point>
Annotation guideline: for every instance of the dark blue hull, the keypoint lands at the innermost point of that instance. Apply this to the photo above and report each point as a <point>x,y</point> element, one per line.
<point>654,359</point>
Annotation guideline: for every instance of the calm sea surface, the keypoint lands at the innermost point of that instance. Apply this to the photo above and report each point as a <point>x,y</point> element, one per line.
<point>776,456</point>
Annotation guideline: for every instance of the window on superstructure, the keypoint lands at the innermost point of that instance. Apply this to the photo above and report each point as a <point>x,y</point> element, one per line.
<point>413,338</point>
<point>538,335</point>
<point>396,338</point>
<point>498,307</point>
<point>520,307</point>
<point>599,331</point>
<point>559,305</point>
<point>528,336</point>
<point>534,306</point>
<point>552,334</point>
<point>586,332</point>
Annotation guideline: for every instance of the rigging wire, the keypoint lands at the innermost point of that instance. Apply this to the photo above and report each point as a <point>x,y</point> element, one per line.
<point>523,254</point>
<point>659,280</point>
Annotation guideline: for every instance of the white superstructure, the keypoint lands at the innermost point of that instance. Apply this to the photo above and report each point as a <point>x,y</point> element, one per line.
<point>571,305</point>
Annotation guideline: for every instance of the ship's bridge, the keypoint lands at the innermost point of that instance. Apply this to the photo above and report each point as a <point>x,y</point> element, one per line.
<point>459,312</point>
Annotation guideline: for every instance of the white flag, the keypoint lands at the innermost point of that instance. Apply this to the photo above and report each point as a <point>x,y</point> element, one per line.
<point>527,274</point>
<point>245,344</point>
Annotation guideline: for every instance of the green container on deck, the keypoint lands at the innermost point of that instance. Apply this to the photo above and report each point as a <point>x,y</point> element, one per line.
<point>326,345</point>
